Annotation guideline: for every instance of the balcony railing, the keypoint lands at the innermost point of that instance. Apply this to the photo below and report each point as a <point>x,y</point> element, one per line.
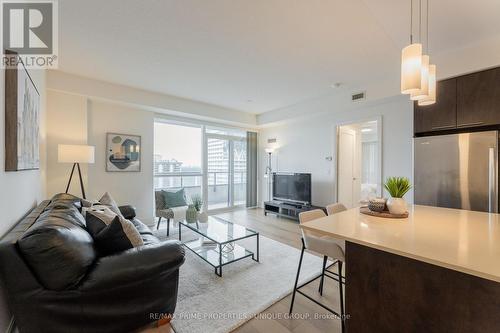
<point>218,186</point>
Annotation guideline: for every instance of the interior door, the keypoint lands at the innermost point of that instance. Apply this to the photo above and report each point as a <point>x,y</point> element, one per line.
<point>346,165</point>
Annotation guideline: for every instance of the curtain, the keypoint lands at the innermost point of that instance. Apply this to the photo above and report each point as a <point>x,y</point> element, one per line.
<point>251,169</point>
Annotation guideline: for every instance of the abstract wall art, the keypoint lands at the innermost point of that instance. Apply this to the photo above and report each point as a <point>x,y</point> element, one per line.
<point>123,152</point>
<point>22,119</point>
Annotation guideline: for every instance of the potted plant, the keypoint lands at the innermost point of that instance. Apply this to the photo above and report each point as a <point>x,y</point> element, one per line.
<point>198,205</point>
<point>397,188</point>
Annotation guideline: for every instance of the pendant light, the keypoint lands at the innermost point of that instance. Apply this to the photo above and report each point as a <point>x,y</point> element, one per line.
<point>431,95</point>
<point>423,92</point>
<point>411,63</point>
<point>431,98</point>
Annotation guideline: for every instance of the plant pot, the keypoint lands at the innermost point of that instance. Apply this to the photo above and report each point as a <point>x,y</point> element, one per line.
<point>397,206</point>
<point>191,214</point>
<point>203,217</point>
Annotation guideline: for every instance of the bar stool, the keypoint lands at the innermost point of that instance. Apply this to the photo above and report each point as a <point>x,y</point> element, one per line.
<point>328,247</point>
<point>335,208</point>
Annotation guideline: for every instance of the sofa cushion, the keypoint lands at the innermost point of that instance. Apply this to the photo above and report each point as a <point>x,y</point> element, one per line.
<point>146,233</point>
<point>174,199</point>
<point>58,249</point>
<point>112,233</point>
<point>68,198</point>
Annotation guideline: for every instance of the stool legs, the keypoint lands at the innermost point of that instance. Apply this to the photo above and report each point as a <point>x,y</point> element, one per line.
<point>322,281</point>
<point>297,278</point>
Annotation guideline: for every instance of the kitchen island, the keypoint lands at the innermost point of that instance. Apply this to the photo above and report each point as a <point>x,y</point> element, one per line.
<point>436,271</point>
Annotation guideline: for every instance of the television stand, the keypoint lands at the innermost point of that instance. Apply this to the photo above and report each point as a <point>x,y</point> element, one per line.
<point>287,209</point>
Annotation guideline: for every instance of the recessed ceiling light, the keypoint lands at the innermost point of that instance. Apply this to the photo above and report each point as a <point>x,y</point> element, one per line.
<point>337,85</point>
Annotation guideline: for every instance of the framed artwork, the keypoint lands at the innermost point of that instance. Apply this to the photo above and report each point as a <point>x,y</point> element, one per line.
<point>22,119</point>
<point>123,152</point>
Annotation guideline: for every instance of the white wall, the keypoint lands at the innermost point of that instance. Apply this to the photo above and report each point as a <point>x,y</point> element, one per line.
<point>76,119</point>
<point>135,188</point>
<point>22,190</point>
<point>66,124</point>
<point>305,144</point>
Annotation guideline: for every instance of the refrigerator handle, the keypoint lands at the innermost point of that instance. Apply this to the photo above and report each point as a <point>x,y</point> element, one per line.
<point>492,187</point>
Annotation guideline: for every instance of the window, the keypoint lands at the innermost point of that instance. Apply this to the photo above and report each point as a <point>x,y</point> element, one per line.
<point>178,157</point>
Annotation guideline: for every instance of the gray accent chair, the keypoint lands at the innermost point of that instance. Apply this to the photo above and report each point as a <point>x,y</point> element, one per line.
<point>162,211</point>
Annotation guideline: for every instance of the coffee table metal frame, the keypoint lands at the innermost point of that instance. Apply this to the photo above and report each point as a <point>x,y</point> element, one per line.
<point>220,245</point>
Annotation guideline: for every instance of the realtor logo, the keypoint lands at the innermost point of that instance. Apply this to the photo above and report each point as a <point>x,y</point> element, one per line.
<point>29,28</point>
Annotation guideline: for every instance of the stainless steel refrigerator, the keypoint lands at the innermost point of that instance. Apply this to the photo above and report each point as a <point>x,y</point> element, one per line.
<point>457,171</point>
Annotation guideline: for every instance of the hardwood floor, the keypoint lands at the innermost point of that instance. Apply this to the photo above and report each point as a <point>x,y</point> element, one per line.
<point>308,317</point>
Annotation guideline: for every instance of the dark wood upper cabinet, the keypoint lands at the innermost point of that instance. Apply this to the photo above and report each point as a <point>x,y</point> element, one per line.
<point>478,99</point>
<point>441,115</point>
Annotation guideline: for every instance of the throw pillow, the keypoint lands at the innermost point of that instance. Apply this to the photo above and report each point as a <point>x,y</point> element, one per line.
<point>111,232</point>
<point>108,200</point>
<point>88,203</point>
<point>174,199</point>
<point>159,200</point>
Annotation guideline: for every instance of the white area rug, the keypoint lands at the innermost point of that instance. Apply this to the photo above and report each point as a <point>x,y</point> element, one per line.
<point>211,304</point>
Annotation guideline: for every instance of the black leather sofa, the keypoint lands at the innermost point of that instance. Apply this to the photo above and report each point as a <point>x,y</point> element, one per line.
<point>56,282</point>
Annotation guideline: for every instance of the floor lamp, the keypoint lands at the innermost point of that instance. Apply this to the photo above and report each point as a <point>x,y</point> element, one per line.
<point>269,172</point>
<point>75,154</point>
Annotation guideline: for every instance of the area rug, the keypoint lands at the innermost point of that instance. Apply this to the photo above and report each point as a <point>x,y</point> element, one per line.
<point>211,304</point>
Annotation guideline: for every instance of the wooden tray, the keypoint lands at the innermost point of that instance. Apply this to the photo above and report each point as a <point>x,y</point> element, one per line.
<point>385,213</point>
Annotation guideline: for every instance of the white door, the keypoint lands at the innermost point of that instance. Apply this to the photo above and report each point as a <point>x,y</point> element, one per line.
<point>346,166</point>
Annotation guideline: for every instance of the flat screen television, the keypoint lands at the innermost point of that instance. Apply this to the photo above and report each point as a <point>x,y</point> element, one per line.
<point>295,187</point>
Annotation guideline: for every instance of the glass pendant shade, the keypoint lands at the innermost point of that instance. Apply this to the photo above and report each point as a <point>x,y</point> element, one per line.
<point>411,68</point>
<point>431,99</point>
<point>424,81</point>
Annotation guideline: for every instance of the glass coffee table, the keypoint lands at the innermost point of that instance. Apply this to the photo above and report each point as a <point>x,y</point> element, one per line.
<point>217,242</point>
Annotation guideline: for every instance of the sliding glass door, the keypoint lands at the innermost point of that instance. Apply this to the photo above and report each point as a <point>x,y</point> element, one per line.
<point>226,170</point>
<point>202,160</point>
<point>218,171</point>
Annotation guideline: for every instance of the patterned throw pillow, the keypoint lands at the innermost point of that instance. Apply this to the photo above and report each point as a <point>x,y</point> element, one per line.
<point>112,233</point>
<point>159,200</point>
<point>108,200</point>
<point>174,199</point>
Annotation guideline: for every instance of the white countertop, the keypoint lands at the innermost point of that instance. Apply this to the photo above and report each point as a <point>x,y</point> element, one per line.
<point>461,240</point>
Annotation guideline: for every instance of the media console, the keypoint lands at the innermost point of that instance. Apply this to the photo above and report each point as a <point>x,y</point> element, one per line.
<point>286,209</point>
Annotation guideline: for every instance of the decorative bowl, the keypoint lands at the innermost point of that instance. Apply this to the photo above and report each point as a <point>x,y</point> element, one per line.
<point>377,204</point>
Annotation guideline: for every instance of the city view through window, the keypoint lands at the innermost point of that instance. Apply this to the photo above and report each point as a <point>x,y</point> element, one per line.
<point>178,155</point>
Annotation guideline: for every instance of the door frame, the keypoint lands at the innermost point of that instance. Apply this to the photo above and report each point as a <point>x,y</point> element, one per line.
<point>336,140</point>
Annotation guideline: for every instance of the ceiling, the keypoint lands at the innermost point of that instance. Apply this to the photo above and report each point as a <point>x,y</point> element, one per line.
<point>255,55</point>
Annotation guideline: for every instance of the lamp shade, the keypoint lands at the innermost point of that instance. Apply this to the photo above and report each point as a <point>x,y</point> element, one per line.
<point>424,79</point>
<point>75,154</point>
<point>269,150</point>
<point>431,99</point>
<point>411,68</point>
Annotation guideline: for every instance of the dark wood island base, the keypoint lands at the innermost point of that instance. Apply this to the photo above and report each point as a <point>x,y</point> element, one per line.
<point>391,293</point>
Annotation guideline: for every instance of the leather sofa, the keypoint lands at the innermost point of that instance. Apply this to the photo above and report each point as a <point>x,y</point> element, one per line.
<point>56,282</point>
